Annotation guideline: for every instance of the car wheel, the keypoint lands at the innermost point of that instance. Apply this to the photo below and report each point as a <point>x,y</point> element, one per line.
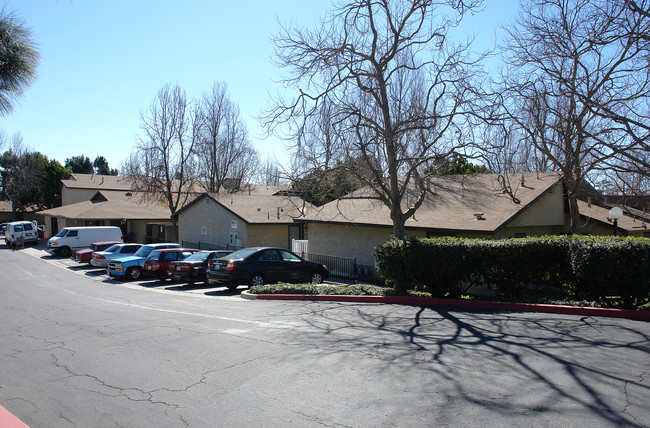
<point>65,252</point>
<point>133,273</point>
<point>316,278</point>
<point>257,279</point>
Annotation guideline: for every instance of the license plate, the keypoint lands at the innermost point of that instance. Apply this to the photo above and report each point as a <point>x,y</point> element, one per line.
<point>28,234</point>
<point>216,266</point>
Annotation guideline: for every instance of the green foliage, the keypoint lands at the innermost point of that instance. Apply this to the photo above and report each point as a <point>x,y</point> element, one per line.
<point>329,290</point>
<point>30,179</point>
<point>443,269</point>
<point>614,271</point>
<point>611,271</point>
<point>323,186</point>
<point>101,166</point>
<point>456,164</point>
<point>54,172</point>
<point>18,59</point>
<point>79,164</point>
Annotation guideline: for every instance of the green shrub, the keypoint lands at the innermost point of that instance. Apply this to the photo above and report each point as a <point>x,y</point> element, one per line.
<point>609,270</point>
<point>614,271</point>
<point>440,265</point>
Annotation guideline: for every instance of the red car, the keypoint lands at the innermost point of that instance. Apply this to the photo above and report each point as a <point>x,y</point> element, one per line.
<point>84,255</point>
<point>158,264</point>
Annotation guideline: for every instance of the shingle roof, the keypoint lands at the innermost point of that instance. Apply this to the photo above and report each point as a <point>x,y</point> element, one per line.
<point>5,206</point>
<point>258,208</point>
<point>600,214</point>
<point>113,205</point>
<point>99,182</point>
<point>452,204</point>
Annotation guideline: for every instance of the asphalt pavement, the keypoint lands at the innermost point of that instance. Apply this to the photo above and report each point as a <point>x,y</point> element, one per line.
<point>83,350</point>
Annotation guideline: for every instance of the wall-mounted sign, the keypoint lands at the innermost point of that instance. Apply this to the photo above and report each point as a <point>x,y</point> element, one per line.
<point>204,230</point>
<point>233,224</point>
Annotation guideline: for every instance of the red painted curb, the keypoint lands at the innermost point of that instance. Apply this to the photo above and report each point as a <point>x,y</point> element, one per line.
<point>7,420</point>
<point>477,304</point>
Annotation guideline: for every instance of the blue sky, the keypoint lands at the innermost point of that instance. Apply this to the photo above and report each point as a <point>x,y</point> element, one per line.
<point>104,61</point>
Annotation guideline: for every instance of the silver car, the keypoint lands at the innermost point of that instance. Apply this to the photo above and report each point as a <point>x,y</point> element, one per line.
<point>101,258</point>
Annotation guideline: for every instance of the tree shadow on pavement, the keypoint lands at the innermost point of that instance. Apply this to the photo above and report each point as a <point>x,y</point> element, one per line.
<point>501,363</point>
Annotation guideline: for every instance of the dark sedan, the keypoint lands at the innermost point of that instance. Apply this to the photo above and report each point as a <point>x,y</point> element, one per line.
<point>158,263</point>
<point>192,269</point>
<point>263,265</point>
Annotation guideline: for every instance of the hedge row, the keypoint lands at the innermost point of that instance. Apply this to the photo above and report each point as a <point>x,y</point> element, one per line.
<point>613,271</point>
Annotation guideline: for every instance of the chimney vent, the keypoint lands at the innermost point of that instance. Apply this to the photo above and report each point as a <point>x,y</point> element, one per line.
<point>478,216</point>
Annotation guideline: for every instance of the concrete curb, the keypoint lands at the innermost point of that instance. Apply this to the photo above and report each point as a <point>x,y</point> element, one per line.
<point>7,420</point>
<point>473,304</point>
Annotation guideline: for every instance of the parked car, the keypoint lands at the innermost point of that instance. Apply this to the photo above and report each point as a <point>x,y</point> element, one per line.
<point>159,262</point>
<point>84,255</point>
<point>76,238</point>
<point>193,268</point>
<point>101,258</point>
<point>16,230</point>
<point>131,267</point>
<point>264,265</point>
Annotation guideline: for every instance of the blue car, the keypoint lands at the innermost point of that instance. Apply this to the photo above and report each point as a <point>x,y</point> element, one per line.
<point>131,267</point>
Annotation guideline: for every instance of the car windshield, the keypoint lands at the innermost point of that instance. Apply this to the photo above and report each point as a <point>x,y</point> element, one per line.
<point>198,257</point>
<point>61,233</point>
<point>111,249</point>
<point>241,254</point>
<point>143,252</point>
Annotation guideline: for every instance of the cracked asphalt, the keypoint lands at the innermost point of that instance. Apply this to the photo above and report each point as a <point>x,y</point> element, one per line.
<point>78,350</point>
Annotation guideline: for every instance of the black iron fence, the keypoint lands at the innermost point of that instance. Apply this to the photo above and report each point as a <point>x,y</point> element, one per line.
<point>338,267</point>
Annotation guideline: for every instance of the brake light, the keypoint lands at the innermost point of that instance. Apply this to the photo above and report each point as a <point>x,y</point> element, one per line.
<point>230,266</point>
<point>155,266</point>
<point>186,267</point>
<point>100,257</point>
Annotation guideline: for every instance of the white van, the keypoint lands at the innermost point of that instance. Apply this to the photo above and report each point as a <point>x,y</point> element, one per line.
<point>74,238</point>
<point>17,229</point>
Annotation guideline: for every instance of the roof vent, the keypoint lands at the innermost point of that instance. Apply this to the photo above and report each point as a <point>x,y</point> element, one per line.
<point>129,194</point>
<point>478,216</point>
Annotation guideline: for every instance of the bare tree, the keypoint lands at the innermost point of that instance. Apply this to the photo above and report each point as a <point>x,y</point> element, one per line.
<point>223,150</point>
<point>386,86</point>
<point>574,66</point>
<point>18,59</point>
<point>162,165</point>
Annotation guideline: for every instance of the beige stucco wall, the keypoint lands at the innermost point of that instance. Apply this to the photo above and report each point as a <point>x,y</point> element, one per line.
<point>546,211</point>
<point>347,241</point>
<point>217,222</point>
<point>72,196</point>
<point>268,235</point>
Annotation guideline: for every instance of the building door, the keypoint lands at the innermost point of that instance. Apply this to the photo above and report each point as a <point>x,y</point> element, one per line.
<point>296,231</point>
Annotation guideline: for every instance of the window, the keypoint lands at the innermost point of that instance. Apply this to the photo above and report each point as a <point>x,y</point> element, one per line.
<point>18,228</point>
<point>72,233</point>
<point>269,255</point>
<point>289,257</point>
<point>29,226</point>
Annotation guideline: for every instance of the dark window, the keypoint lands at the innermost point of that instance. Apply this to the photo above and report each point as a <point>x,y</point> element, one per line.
<point>72,233</point>
<point>269,255</point>
<point>29,226</point>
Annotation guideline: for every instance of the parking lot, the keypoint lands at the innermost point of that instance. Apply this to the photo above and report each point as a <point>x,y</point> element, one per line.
<point>79,349</point>
<point>97,274</point>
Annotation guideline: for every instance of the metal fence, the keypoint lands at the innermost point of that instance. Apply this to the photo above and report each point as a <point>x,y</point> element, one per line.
<point>338,267</point>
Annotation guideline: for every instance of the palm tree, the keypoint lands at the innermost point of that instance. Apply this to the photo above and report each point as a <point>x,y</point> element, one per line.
<point>18,59</point>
